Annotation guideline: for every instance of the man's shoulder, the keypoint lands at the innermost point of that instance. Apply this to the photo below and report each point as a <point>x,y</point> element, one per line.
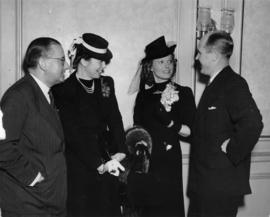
<point>232,74</point>
<point>21,92</point>
<point>22,86</point>
<point>235,79</point>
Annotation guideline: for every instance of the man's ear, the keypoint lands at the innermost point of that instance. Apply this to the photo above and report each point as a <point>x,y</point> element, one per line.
<point>42,63</point>
<point>215,56</point>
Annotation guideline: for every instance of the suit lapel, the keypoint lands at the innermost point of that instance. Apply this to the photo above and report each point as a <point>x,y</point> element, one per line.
<point>213,89</point>
<point>204,99</point>
<point>45,109</point>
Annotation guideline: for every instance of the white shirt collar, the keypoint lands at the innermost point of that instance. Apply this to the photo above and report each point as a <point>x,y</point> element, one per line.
<point>44,88</point>
<point>213,77</point>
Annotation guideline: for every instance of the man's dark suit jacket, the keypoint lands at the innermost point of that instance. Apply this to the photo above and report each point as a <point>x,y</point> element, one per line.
<point>226,110</point>
<point>34,142</point>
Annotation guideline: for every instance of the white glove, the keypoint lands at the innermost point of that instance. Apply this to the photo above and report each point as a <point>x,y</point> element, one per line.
<point>118,156</point>
<point>113,167</point>
<point>2,130</point>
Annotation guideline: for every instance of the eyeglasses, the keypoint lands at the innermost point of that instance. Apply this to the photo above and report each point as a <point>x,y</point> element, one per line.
<point>63,60</point>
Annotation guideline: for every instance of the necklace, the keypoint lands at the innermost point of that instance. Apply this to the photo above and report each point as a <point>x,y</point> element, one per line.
<point>87,89</point>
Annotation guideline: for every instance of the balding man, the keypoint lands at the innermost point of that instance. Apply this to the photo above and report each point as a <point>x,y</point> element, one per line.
<point>227,127</point>
<point>32,162</point>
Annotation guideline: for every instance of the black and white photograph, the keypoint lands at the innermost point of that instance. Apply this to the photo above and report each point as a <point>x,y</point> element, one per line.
<point>134,108</point>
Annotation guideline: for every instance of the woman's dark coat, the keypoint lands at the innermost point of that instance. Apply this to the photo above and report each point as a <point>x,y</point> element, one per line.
<point>86,119</point>
<point>161,190</point>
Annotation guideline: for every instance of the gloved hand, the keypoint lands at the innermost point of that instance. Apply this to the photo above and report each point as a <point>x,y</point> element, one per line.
<point>113,167</point>
<point>162,115</point>
<point>119,156</point>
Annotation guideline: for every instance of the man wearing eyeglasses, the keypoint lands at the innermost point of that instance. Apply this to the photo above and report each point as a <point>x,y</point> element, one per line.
<point>32,163</point>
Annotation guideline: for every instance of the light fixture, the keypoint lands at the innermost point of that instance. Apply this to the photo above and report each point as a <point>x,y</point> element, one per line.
<point>206,24</point>
<point>203,21</point>
<point>227,20</point>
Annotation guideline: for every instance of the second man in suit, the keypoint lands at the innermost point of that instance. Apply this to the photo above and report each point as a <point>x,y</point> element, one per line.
<point>227,127</point>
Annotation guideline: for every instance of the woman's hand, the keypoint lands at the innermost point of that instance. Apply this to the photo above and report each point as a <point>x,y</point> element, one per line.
<point>118,156</point>
<point>112,166</point>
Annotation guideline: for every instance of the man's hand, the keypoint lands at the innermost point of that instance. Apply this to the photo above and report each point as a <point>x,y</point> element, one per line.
<point>224,145</point>
<point>185,131</point>
<point>39,178</point>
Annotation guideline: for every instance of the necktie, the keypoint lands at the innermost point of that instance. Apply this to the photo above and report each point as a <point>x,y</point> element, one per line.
<point>51,99</point>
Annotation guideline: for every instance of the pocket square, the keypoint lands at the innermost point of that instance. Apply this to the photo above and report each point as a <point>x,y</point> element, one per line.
<point>212,108</point>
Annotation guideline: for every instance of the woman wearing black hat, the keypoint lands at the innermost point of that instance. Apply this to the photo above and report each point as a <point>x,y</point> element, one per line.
<point>88,108</point>
<point>166,110</point>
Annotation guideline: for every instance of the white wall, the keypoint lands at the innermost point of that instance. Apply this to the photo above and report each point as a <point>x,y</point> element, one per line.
<point>7,44</point>
<point>127,25</point>
<point>255,68</point>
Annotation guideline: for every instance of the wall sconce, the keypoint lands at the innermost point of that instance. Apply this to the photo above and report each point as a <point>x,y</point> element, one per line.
<point>206,24</point>
<point>227,20</point>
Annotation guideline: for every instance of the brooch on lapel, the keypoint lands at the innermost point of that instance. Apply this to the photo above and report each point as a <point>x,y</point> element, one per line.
<point>169,96</point>
<point>105,89</point>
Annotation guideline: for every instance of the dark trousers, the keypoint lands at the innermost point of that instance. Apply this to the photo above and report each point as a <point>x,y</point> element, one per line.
<point>214,205</point>
<point>152,197</point>
<point>98,197</point>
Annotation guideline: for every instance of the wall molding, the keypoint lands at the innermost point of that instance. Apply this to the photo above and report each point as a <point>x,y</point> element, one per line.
<point>186,32</point>
<point>259,176</point>
<point>257,156</point>
<point>18,37</point>
<point>260,157</point>
<point>264,138</point>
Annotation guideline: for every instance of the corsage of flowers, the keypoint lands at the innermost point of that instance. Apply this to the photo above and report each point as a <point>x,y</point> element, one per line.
<point>169,96</point>
<point>2,130</point>
<point>105,89</point>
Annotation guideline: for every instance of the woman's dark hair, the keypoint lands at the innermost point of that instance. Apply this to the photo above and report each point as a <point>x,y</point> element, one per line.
<point>147,76</point>
<point>35,50</point>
